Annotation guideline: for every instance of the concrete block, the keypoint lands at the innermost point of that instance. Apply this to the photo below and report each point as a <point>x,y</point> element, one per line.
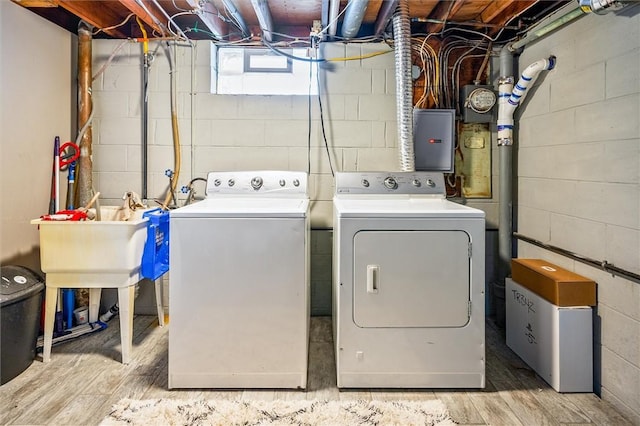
<point>122,78</point>
<point>548,129</point>
<point>120,131</point>
<point>348,134</point>
<point>114,184</point>
<point>290,133</point>
<point>621,378</point>
<point>378,62</point>
<point>611,119</point>
<point>607,39</point>
<point>577,235</point>
<point>333,50</point>
<point>133,159</point>
<point>611,203</point>
<point>585,86</point>
<point>269,108</point>
<point>203,135</point>
<point>349,81</point>
<point>238,133</point>
<point>391,134</point>
<point>299,159</point>
<point>620,334</point>
<point>351,107</point>
<point>616,293</point>
<point>161,132</point>
<point>160,105</point>
<point>490,208</point>
<point>349,160</point>
<point>534,162</point>
<point>353,52</point>
<point>300,108</point>
<point>378,139</point>
<point>203,53</point>
<point>217,107</point>
<point>113,104</point>
<point>623,83</point>
<point>528,251</point>
<point>378,159</point>
<point>323,187</point>
<point>322,214</point>
<point>240,158</point>
<point>537,101</point>
<point>110,158</point>
<point>621,161</point>
<point>622,247</point>
<point>203,80</point>
<point>547,194</point>
<point>379,82</point>
<point>101,51</point>
<point>333,107</point>
<point>534,223</point>
<point>376,107</point>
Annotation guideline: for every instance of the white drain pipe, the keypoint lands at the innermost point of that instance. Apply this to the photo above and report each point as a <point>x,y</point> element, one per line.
<point>509,99</point>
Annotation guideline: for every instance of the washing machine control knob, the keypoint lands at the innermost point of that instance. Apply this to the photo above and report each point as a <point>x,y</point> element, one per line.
<point>430,183</point>
<point>365,183</point>
<point>256,183</point>
<point>217,182</point>
<point>231,182</point>
<point>282,182</point>
<point>391,183</point>
<point>296,182</point>
<point>416,183</point>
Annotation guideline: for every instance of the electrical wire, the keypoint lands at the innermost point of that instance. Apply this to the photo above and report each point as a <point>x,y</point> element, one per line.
<point>324,134</point>
<point>108,62</point>
<point>114,26</point>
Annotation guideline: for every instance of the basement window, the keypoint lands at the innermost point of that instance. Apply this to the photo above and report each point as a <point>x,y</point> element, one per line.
<point>260,71</point>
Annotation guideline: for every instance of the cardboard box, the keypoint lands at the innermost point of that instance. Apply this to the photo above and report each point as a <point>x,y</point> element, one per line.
<point>554,341</point>
<point>553,283</point>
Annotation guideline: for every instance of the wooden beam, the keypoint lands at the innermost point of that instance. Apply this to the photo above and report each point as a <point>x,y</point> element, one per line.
<point>494,9</point>
<point>209,16</point>
<point>514,9</point>
<point>36,3</point>
<point>96,13</point>
<point>445,10</point>
<point>147,18</point>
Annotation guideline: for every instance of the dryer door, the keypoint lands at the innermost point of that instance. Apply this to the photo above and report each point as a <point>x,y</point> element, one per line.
<point>411,278</point>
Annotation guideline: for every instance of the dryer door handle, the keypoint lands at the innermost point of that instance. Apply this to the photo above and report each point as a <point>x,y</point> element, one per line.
<point>373,278</point>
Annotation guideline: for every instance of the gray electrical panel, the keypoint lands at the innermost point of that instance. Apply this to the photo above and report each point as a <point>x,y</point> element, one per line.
<point>433,139</point>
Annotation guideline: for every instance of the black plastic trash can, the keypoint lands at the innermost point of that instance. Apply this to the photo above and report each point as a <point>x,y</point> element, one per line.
<point>21,293</point>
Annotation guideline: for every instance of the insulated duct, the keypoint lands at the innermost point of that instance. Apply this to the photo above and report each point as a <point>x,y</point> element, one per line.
<point>404,85</point>
<point>353,17</point>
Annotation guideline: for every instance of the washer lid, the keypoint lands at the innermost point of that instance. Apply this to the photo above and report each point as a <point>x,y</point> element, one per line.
<point>245,207</point>
<point>402,207</point>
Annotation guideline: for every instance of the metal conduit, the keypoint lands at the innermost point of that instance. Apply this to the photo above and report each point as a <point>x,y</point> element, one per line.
<point>598,264</point>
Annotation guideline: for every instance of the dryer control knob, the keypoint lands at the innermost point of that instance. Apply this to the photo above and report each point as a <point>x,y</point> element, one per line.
<point>430,183</point>
<point>282,182</point>
<point>256,183</point>
<point>416,183</point>
<point>390,183</point>
<point>365,183</point>
<point>231,182</point>
<point>296,182</point>
<point>217,182</point>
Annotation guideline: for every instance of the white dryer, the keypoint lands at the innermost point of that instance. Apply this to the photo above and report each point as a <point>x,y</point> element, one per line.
<point>239,289</point>
<point>408,295</point>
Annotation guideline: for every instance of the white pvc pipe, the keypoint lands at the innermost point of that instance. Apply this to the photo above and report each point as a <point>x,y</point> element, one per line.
<point>510,96</point>
<point>334,8</point>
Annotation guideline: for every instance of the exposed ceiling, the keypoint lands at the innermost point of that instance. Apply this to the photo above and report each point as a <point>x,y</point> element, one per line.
<point>216,19</point>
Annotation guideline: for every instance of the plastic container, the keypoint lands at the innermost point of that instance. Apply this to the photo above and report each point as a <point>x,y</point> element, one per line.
<point>107,246</point>
<point>155,258</point>
<point>21,293</point>
<point>81,314</point>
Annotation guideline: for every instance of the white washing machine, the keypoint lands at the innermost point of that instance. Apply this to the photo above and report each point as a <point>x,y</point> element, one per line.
<point>239,289</point>
<point>408,296</point>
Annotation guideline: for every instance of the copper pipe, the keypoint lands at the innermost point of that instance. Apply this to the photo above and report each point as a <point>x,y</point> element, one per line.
<point>84,178</point>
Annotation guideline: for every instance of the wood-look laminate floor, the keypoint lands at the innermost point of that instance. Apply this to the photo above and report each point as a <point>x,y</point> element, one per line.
<point>85,377</point>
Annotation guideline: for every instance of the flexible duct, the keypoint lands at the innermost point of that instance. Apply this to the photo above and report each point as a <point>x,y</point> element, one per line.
<point>353,17</point>
<point>404,85</point>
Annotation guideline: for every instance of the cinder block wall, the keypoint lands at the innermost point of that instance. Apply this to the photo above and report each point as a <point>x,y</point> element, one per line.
<point>226,132</point>
<point>578,178</point>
